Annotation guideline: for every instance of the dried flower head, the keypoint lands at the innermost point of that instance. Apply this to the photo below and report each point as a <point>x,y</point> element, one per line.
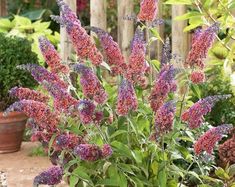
<point>27,94</point>
<point>227,151</point>
<point>194,115</point>
<point>51,56</point>
<point>112,52</point>
<point>208,140</point>
<point>91,85</point>
<point>148,10</point>
<point>127,99</point>
<point>81,41</point>
<point>52,176</point>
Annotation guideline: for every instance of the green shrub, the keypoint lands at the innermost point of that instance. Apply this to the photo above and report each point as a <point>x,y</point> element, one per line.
<point>14,51</point>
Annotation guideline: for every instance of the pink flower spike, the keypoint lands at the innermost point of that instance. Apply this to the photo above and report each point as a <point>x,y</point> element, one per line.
<point>112,52</point>
<point>91,85</point>
<point>148,10</point>
<point>27,94</point>
<point>51,56</point>
<point>208,140</point>
<point>197,77</point>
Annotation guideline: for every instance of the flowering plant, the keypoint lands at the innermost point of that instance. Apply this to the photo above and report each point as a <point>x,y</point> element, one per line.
<point>98,138</point>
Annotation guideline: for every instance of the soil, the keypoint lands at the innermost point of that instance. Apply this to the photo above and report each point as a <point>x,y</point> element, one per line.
<point>20,168</point>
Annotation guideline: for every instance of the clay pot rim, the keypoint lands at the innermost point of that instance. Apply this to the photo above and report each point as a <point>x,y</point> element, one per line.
<point>12,116</point>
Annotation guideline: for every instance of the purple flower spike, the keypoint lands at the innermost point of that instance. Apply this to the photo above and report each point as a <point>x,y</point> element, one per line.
<point>86,111</point>
<point>88,152</point>
<point>127,99</point>
<point>41,74</point>
<point>81,41</point>
<point>194,115</point>
<point>52,176</point>
<point>91,85</point>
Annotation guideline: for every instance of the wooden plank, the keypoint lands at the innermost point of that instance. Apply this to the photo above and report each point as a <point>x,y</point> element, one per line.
<point>179,38</point>
<point>3,8</point>
<point>125,27</point>
<point>160,30</point>
<point>65,44</point>
<point>98,14</point>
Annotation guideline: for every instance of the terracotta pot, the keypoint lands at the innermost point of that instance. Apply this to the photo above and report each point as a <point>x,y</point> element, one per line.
<point>11,131</point>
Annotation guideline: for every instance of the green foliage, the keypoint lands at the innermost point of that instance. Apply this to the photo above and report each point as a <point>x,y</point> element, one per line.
<point>14,51</point>
<point>23,27</point>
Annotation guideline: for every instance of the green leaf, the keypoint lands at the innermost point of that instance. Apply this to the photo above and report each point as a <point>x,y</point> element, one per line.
<point>156,34</point>
<point>81,173</point>
<point>195,175</point>
<point>73,180</point>
<point>222,174</point>
<point>126,168</point>
<point>108,182</point>
<point>162,178</point>
<point>20,20</point>
<point>5,24</point>
<point>179,2</point>
<point>36,14</point>
<point>123,180</point>
<point>122,148</point>
<point>188,15</point>
<point>118,132</point>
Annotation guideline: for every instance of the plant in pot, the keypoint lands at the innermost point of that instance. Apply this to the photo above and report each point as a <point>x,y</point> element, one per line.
<point>13,51</point>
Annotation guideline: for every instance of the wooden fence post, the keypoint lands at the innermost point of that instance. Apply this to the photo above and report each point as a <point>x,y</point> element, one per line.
<point>98,14</point>
<point>125,27</point>
<point>3,8</point>
<point>160,30</point>
<point>179,38</point>
<point>65,44</point>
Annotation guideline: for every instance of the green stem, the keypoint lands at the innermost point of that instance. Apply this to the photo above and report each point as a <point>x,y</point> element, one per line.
<point>181,182</point>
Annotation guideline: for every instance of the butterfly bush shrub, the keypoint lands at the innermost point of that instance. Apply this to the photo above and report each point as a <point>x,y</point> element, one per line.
<point>136,133</point>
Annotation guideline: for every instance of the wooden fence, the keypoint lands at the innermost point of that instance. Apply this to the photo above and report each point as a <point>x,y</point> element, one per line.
<point>98,17</point>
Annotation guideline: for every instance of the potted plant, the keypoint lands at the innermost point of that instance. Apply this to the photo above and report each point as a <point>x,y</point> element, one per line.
<point>13,51</point>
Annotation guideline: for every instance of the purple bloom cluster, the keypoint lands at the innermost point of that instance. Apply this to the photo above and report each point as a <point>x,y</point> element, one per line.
<point>52,176</point>
<point>164,118</point>
<point>41,74</point>
<point>208,140</point>
<point>26,93</point>
<point>164,84</point>
<point>68,141</point>
<point>63,101</point>
<point>194,115</point>
<point>91,85</point>
<point>148,10</point>
<point>86,111</point>
<point>112,52</point>
<point>202,41</point>
<point>51,56</point>
<point>138,66</point>
<point>92,152</point>
<point>81,41</point>
<point>127,99</point>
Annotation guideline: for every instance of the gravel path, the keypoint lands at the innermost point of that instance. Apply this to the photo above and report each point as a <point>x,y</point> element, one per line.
<point>19,169</point>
